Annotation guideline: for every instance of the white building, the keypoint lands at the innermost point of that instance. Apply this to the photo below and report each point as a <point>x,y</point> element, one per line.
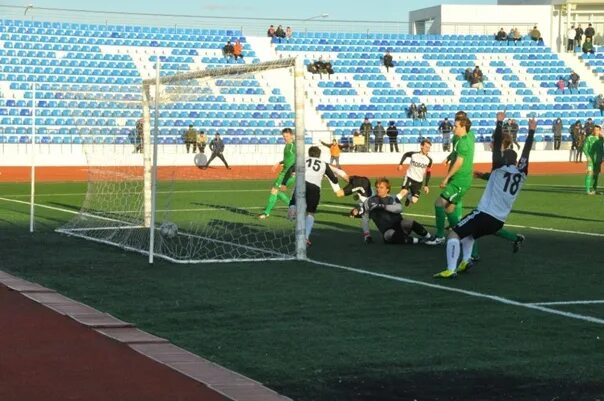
<point>552,17</point>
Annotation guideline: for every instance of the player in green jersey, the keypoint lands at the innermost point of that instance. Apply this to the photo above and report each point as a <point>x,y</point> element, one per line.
<point>289,159</point>
<point>458,179</point>
<point>593,149</point>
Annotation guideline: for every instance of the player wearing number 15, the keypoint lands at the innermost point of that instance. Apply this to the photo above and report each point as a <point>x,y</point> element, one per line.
<point>502,189</point>
<point>289,160</point>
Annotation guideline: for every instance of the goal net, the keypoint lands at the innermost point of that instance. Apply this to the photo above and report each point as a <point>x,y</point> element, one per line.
<point>156,194</point>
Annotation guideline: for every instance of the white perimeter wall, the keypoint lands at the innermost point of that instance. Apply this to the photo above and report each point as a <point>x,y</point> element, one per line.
<point>261,155</point>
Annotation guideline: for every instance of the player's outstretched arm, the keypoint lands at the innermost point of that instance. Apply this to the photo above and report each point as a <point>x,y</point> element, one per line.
<point>497,159</point>
<point>528,145</point>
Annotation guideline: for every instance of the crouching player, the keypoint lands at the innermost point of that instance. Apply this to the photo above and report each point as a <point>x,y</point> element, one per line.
<point>495,205</point>
<point>385,211</point>
<point>315,170</point>
<point>360,188</point>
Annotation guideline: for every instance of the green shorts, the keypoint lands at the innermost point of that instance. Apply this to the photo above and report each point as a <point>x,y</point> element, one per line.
<point>453,192</point>
<point>280,177</point>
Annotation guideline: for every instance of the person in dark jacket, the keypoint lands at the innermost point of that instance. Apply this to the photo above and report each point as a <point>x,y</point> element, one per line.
<point>392,133</point>
<point>557,131</point>
<point>217,147</point>
<point>388,61</point>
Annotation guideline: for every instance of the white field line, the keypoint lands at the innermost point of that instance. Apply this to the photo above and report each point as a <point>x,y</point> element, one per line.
<point>592,302</point>
<point>495,298</point>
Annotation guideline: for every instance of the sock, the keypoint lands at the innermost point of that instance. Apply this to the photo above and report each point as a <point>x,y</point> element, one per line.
<point>467,245</point>
<point>282,196</point>
<point>595,181</point>
<point>505,234</point>
<point>459,210</point>
<point>452,253</point>
<point>419,229</point>
<point>440,214</point>
<point>588,182</point>
<point>453,218</point>
<point>310,220</point>
<point>399,196</point>
<point>474,252</point>
<point>272,199</point>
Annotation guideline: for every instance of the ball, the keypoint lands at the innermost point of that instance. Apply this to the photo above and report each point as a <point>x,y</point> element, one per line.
<point>168,230</point>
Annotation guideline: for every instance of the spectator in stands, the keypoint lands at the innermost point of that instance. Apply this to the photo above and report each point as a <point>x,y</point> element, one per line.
<point>588,128</point>
<point>238,49</point>
<point>217,147</point>
<point>358,141</point>
<point>140,135</point>
<point>578,35</point>
<point>412,111</point>
<point>561,84</point>
<point>501,35</point>
<point>422,111</point>
<point>535,34</point>
<point>288,33</point>
<point>378,133</point>
<point>570,38</point>
<point>590,32</point>
<point>445,128</point>
<point>600,103</point>
<point>516,35</point>
<point>271,31</point>
<point>388,61</point>
<point>334,152</point>
<point>557,131</point>
<point>202,141</point>
<point>280,33</point>
<point>477,78</point>
<point>228,50</point>
<point>578,137</point>
<point>392,133</point>
<point>366,129</point>
<point>190,138</point>
<point>468,75</point>
<point>573,82</point>
<point>588,46</point>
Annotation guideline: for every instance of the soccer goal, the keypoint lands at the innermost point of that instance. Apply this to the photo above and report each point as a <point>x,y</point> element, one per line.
<point>154,196</point>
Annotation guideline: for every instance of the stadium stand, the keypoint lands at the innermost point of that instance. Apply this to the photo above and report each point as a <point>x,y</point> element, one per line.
<point>89,80</point>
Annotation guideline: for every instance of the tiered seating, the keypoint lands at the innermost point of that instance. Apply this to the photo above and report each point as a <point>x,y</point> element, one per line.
<point>430,69</point>
<point>595,61</point>
<point>88,84</point>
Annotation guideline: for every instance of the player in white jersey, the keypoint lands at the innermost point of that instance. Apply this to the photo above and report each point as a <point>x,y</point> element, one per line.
<point>313,174</point>
<point>418,173</point>
<point>502,189</point>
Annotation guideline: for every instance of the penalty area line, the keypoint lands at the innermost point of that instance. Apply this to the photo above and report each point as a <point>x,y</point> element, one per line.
<point>475,294</point>
<point>586,302</point>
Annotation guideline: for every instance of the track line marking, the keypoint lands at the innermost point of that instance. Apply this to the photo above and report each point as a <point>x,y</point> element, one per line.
<point>588,302</point>
<point>475,294</point>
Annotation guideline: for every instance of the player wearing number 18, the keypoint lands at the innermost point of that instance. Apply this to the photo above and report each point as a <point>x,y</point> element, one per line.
<point>502,189</point>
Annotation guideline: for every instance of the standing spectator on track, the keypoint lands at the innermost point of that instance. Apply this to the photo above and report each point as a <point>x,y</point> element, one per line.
<point>513,129</point>
<point>202,141</point>
<point>388,61</point>
<point>570,39</point>
<point>557,131</point>
<point>140,135</point>
<point>392,133</point>
<point>190,138</point>
<point>600,103</point>
<point>366,130</point>
<point>378,133</point>
<point>590,32</point>
<point>445,129</point>
<point>334,152</point>
<point>238,50</point>
<point>578,35</point>
<point>578,136</point>
<point>217,147</point>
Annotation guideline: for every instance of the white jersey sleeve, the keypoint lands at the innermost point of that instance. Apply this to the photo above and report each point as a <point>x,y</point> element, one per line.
<point>501,192</point>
